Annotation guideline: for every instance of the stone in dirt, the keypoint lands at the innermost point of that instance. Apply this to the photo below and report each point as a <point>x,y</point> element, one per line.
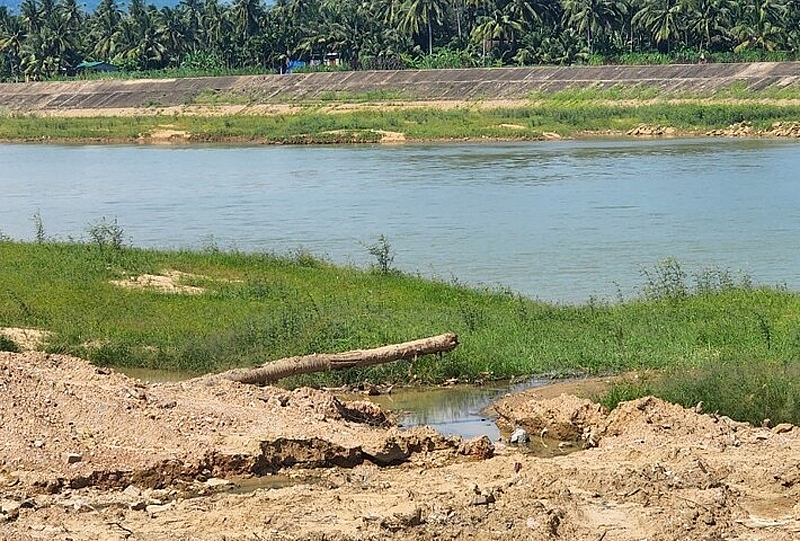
<point>519,436</point>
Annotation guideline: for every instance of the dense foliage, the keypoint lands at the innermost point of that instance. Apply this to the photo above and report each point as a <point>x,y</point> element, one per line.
<point>48,38</point>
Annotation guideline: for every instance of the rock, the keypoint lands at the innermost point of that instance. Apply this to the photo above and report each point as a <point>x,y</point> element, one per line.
<point>480,448</point>
<point>643,130</point>
<point>10,509</point>
<point>217,484</point>
<point>402,521</point>
<point>782,428</point>
<point>484,498</point>
<point>519,436</point>
<point>139,506</point>
<point>154,509</point>
<point>132,491</point>
<point>72,458</point>
<point>77,504</point>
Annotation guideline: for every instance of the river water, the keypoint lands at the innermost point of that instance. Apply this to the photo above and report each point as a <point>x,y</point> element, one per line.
<point>559,221</point>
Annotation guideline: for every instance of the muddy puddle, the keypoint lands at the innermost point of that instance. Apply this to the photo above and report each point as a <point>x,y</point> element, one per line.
<point>467,411</point>
<point>152,375</point>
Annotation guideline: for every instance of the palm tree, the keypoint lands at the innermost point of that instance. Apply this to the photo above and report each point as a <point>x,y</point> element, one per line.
<point>171,32</point>
<point>104,30</point>
<point>245,15</point>
<point>214,29</point>
<point>419,13</point>
<point>498,26</point>
<point>30,15</point>
<point>12,36</point>
<point>528,12</point>
<point>708,20</point>
<point>72,14</point>
<point>139,42</point>
<point>191,13</point>
<point>593,17</point>
<point>760,25</point>
<point>661,19</point>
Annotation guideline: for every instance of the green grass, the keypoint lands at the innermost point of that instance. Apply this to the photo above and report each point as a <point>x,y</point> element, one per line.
<point>568,114</point>
<point>260,307</point>
<point>735,384</point>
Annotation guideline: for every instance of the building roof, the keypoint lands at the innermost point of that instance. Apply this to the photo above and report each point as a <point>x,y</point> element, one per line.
<point>99,66</point>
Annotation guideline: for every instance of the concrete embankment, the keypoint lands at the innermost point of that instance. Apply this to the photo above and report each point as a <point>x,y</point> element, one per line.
<point>461,84</point>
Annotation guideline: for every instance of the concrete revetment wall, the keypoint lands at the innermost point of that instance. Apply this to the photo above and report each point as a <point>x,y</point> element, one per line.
<point>458,84</point>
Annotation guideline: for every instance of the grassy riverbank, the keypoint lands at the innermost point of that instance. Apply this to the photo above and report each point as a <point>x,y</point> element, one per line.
<point>712,332</point>
<point>352,120</point>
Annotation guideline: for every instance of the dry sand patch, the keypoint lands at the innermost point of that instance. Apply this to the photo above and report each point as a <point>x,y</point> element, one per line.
<point>168,282</point>
<point>26,339</point>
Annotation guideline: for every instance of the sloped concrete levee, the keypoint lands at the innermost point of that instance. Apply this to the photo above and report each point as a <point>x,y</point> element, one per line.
<point>458,84</point>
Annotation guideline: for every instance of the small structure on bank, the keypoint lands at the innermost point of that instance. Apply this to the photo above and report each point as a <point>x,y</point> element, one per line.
<point>103,67</point>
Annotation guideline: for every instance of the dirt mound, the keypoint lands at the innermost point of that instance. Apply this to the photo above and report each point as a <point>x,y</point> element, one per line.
<point>87,454</point>
<point>564,418</point>
<point>66,423</point>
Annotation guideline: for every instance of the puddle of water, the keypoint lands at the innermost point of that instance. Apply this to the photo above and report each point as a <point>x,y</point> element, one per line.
<point>153,375</point>
<point>549,447</point>
<point>452,411</point>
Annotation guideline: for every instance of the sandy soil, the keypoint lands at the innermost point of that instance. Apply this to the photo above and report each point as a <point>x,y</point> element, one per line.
<point>87,453</point>
<point>271,109</point>
<point>167,282</point>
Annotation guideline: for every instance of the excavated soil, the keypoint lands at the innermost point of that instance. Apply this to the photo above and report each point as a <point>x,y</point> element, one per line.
<point>87,453</point>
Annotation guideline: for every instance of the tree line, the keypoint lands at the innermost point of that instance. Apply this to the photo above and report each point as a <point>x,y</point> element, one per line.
<point>48,38</point>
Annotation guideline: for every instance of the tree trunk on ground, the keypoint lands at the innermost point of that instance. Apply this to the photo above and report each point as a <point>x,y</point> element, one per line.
<point>322,362</point>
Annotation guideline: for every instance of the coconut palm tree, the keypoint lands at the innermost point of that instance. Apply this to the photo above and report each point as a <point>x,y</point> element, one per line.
<point>662,19</point>
<point>30,15</point>
<point>12,36</point>
<point>104,30</point>
<point>171,32</point>
<point>498,27</point>
<point>594,17</point>
<point>760,25</point>
<point>191,14</point>
<point>215,30</point>
<point>419,14</point>
<point>709,21</point>
<point>245,16</point>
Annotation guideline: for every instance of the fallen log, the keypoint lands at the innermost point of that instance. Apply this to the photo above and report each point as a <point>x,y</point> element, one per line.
<point>323,362</point>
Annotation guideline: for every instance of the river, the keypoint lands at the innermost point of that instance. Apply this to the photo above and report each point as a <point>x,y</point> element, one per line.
<point>558,221</point>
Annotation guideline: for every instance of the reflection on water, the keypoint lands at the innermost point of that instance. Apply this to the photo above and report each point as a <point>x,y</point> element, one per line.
<point>451,410</point>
